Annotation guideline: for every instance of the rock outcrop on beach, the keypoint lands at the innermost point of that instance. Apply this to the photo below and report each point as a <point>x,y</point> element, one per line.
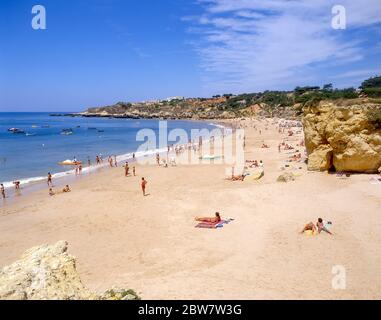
<point>343,137</point>
<point>286,177</point>
<point>48,272</point>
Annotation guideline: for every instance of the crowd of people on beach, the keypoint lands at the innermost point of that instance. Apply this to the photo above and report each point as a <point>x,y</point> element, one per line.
<point>176,150</point>
<point>112,160</point>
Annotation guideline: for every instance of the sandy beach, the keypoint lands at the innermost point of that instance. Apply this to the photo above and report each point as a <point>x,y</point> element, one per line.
<point>150,244</point>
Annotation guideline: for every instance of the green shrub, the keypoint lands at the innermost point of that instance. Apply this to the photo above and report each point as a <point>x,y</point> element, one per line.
<point>372,87</point>
<point>374,116</point>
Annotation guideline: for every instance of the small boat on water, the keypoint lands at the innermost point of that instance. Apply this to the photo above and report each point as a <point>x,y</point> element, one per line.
<point>101,131</point>
<point>16,130</point>
<point>67,132</point>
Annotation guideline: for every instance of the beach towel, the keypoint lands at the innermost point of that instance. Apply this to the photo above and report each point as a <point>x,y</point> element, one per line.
<point>209,157</point>
<point>375,180</point>
<point>256,175</point>
<point>208,225</point>
<point>309,233</point>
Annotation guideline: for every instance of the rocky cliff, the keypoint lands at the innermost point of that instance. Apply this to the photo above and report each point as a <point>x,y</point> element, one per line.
<point>343,136</point>
<point>48,272</point>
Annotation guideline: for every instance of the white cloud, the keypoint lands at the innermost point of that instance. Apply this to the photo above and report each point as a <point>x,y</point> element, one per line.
<point>252,45</point>
<point>359,74</point>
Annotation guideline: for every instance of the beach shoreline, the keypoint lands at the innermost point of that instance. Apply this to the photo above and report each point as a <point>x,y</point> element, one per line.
<point>150,244</point>
<point>32,184</point>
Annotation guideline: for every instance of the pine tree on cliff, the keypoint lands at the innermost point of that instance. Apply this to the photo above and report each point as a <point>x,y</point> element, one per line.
<point>372,87</point>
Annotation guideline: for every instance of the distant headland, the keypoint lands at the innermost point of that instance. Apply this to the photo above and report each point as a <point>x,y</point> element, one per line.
<point>284,104</point>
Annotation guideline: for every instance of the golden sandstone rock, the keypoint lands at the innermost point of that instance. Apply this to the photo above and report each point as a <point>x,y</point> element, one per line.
<point>48,272</point>
<point>344,138</point>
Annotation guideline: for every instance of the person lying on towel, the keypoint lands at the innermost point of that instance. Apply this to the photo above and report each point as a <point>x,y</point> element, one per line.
<point>215,219</point>
<point>320,226</point>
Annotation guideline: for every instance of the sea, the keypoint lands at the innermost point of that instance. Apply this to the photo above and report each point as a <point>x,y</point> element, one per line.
<point>46,140</point>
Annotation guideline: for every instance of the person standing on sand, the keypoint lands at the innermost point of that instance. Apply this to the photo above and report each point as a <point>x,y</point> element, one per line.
<point>50,182</point>
<point>133,171</point>
<point>17,185</point>
<point>143,184</point>
<point>2,190</point>
<point>126,169</point>
<point>116,163</point>
<point>158,159</point>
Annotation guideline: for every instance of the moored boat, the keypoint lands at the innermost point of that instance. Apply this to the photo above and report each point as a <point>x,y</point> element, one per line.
<point>67,131</point>
<point>16,130</point>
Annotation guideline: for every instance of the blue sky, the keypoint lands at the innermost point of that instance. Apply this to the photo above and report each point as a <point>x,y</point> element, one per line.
<point>98,52</point>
